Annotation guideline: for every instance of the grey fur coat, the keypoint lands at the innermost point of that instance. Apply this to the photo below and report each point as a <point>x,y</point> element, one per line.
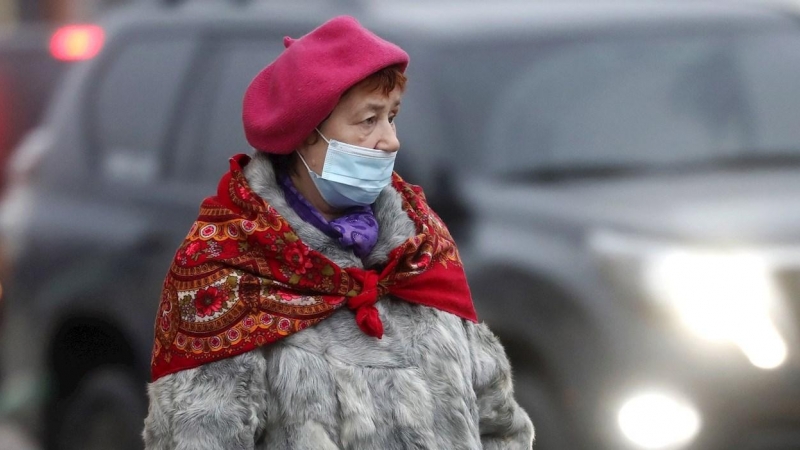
<point>434,381</point>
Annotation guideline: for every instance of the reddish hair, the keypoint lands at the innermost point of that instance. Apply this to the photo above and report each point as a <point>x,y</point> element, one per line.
<point>386,79</point>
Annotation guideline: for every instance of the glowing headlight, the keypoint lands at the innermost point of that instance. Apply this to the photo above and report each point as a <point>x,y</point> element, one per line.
<point>723,297</point>
<point>655,420</point>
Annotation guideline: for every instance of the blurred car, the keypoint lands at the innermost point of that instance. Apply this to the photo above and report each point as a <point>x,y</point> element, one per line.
<point>624,180</point>
<point>604,166</point>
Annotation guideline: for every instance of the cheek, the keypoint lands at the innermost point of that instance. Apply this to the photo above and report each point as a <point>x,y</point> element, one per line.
<point>375,132</point>
<point>368,137</point>
<point>359,131</point>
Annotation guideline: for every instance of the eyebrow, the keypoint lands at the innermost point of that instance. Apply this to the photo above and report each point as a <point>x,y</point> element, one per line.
<point>379,106</point>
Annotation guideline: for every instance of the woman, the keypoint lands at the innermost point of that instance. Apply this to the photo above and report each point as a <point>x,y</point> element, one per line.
<point>317,303</point>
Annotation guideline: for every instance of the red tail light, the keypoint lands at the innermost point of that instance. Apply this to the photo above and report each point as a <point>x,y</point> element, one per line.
<point>76,42</point>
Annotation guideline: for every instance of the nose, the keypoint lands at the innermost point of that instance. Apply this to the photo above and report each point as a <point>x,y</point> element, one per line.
<point>387,140</point>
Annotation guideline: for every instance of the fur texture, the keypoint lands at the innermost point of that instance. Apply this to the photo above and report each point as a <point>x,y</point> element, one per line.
<point>434,381</point>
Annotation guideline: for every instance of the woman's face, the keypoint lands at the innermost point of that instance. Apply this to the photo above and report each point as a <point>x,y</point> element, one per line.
<point>364,117</point>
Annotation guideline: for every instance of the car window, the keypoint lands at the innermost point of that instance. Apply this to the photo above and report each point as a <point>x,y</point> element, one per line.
<point>773,81</point>
<point>135,103</point>
<point>628,100</point>
<point>214,132</point>
<point>624,101</point>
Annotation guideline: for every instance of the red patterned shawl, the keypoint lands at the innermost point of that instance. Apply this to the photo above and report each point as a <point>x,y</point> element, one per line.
<point>243,278</point>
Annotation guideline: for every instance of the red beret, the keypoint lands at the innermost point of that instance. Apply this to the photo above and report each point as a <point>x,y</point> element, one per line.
<point>298,90</point>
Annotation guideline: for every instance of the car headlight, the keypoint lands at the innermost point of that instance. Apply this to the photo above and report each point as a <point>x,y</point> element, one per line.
<point>719,295</point>
<point>722,297</point>
<point>656,420</point>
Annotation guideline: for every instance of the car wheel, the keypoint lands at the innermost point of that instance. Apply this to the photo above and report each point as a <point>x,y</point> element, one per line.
<point>106,412</point>
<point>552,428</point>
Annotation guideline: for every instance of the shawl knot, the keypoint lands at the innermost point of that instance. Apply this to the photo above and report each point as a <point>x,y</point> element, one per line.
<point>363,304</point>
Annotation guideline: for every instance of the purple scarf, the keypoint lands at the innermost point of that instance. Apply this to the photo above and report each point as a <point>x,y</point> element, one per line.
<point>356,229</point>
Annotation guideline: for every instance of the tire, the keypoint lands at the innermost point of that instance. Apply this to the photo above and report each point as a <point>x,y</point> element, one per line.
<point>106,412</point>
<point>552,427</point>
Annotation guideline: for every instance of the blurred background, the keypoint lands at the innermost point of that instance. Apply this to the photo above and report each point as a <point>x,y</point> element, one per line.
<point>622,179</point>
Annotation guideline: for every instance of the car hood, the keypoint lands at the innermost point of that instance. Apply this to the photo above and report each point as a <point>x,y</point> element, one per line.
<point>721,207</point>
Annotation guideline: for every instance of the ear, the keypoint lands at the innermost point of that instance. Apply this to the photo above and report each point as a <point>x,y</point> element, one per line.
<point>310,140</point>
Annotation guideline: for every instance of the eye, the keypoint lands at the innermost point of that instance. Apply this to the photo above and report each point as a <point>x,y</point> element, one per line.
<point>391,119</point>
<point>370,121</point>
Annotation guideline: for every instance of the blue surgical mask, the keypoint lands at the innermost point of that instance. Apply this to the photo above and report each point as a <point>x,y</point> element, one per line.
<point>352,175</point>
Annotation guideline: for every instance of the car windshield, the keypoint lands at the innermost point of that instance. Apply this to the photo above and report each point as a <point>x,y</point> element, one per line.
<point>627,101</point>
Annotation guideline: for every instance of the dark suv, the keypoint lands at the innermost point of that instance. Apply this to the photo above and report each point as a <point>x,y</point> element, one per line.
<point>593,160</point>
<point>624,181</point>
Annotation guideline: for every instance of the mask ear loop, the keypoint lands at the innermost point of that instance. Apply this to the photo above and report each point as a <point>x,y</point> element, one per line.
<point>306,164</point>
<point>304,160</point>
<point>323,136</point>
